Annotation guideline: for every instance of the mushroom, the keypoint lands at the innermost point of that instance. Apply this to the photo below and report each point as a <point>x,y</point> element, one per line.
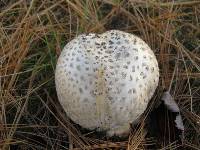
<point>105,81</point>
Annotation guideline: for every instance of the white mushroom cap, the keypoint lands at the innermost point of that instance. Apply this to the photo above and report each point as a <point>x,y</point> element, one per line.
<point>105,81</point>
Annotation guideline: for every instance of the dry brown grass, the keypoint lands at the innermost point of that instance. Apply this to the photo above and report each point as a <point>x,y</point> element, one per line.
<point>32,34</point>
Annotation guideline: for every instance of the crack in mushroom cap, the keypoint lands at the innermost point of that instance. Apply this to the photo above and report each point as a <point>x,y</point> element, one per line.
<point>105,81</point>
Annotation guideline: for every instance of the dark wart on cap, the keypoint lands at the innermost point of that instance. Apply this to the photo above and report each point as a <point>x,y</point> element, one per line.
<point>106,80</point>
